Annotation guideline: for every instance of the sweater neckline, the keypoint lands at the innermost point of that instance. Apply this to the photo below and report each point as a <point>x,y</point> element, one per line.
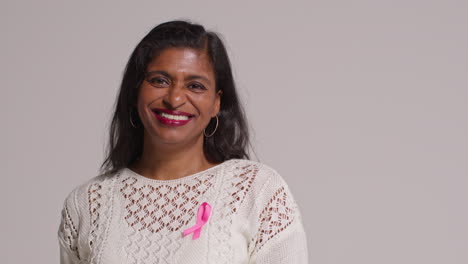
<point>130,172</point>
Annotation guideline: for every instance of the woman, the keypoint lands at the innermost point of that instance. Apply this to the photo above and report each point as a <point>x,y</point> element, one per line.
<point>177,185</point>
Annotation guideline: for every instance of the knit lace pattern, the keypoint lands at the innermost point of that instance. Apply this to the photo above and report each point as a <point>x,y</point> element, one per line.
<point>141,220</point>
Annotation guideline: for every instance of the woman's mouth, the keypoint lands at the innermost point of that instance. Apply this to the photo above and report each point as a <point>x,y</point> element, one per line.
<point>172,117</point>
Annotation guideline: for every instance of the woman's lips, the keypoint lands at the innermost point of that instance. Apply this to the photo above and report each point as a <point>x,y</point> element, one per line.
<point>172,117</point>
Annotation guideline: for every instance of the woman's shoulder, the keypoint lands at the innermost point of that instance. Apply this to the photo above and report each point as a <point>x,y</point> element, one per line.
<point>85,191</point>
<point>256,182</point>
<point>273,217</point>
<point>260,182</point>
<point>261,173</point>
<point>79,207</point>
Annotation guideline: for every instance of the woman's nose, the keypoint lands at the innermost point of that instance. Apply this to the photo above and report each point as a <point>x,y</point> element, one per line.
<point>175,96</point>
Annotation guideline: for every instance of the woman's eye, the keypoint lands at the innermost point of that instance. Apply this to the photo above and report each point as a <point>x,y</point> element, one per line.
<point>197,86</point>
<point>158,82</point>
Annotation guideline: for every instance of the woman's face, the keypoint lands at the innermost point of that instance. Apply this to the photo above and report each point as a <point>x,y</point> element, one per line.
<point>178,96</point>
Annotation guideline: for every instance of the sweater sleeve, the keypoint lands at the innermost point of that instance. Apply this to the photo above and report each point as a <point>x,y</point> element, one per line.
<point>280,237</point>
<point>68,232</point>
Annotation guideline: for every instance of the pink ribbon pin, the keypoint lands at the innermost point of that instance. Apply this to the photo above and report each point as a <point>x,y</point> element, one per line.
<point>204,212</point>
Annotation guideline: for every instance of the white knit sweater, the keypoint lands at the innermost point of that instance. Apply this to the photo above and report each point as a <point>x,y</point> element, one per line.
<point>128,218</point>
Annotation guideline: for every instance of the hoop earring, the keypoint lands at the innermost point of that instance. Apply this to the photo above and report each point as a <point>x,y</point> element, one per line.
<point>131,119</point>
<point>212,133</point>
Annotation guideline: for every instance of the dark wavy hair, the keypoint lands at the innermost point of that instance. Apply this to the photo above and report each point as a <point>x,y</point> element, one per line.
<point>231,139</point>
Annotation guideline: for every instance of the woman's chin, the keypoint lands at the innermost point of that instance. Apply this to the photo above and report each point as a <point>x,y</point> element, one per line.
<point>173,138</point>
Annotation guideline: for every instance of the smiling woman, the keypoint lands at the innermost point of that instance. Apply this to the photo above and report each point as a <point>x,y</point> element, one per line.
<point>184,80</point>
<point>177,185</point>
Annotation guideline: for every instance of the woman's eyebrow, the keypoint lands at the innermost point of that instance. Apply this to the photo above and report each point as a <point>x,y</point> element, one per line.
<point>159,72</point>
<point>194,77</point>
<point>188,78</point>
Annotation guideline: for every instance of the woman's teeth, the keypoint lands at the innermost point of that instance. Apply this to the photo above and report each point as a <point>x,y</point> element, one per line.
<point>174,117</point>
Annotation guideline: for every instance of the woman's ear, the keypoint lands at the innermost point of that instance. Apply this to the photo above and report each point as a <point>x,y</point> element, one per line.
<point>218,101</point>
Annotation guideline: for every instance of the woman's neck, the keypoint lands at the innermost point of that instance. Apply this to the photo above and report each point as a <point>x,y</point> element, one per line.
<point>168,162</point>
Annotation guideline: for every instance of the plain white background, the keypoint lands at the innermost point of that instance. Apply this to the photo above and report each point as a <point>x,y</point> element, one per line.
<point>360,105</point>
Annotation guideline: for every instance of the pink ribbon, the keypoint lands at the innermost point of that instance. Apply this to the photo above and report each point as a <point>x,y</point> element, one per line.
<point>204,212</point>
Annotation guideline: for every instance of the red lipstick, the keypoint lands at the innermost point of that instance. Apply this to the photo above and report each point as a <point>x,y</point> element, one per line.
<point>172,117</point>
